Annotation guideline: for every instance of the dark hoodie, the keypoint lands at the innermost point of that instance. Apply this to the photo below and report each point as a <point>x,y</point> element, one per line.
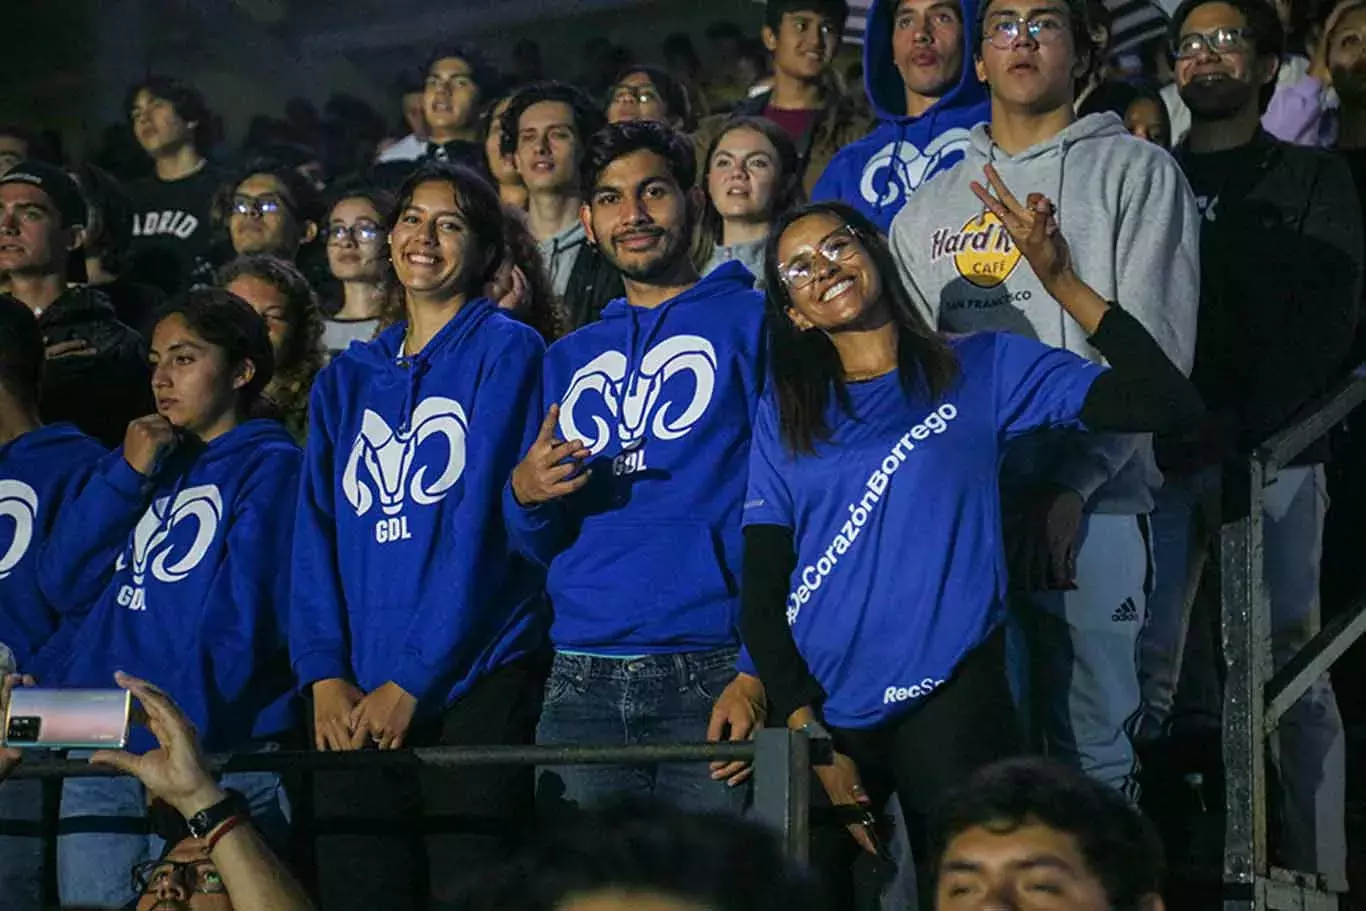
<point>99,393</point>
<point>877,174</point>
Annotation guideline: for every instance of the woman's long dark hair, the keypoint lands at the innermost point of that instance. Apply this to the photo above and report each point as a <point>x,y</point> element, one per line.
<point>787,189</point>
<point>483,212</point>
<point>223,319</point>
<point>807,371</point>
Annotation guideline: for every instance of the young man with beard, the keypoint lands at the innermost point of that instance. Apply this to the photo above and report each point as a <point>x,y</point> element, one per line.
<point>802,36</point>
<point>96,376</point>
<point>545,129</point>
<point>171,210</point>
<point>1076,505</point>
<point>917,65</point>
<point>631,495</point>
<point>1281,268</point>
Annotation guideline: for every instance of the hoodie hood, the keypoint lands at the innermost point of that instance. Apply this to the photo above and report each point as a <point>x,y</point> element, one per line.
<point>256,436</point>
<point>48,438</point>
<point>726,279</point>
<point>883,82</point>
<point>1104,125</point>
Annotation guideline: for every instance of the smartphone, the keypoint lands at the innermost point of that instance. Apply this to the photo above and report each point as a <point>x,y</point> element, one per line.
<point>67,719</point>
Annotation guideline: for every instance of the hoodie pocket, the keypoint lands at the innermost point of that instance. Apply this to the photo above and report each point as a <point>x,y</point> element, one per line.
<point>647,583</point>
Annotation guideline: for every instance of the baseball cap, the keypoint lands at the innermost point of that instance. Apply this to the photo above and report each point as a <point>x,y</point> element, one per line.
<point>58,186</point>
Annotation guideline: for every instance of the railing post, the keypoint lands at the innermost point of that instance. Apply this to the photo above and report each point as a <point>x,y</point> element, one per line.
<point>1246,625</point>
<point>782,787</point>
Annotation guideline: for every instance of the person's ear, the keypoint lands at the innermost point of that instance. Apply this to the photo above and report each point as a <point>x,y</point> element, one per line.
<point>309,232</point>
<point>586,217</point>
<point>770,39</point>
<point>246,372</point>
<point>1267,68</point>
<point>801,322</point>
<point>979,67</point>
<point>79,235</point>
<point>697,202</point>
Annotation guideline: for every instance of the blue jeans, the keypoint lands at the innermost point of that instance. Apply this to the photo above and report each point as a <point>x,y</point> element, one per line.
<point>104,833</point>
<point>657,699</point>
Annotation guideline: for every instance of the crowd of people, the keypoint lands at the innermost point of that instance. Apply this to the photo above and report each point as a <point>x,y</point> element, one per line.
<point>662,407</point>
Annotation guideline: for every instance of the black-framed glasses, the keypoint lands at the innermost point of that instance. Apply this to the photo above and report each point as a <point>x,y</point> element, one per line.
<point>838,246</point>
<point>198,876</point>
<point>362,232</point>
<point>256,206</point>
<point>1219,41</point>
<point>1042,28</point>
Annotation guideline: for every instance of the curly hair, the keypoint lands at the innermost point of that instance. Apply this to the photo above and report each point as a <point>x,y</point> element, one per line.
<point>302,355</point>
<point>542,311</point>
<point>223,319</point>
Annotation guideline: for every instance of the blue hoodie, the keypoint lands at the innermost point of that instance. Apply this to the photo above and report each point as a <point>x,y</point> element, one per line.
<point>403,569</point>
<point>184,578</point>
<point>645,559</point>
<point>40,471</point>
<point>877,174</point>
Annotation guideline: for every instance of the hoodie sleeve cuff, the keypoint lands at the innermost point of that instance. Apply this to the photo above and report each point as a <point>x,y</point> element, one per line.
<point>414,677</point>
<point>122,477</point>
<point>315,666</point>
<point>744,664</point>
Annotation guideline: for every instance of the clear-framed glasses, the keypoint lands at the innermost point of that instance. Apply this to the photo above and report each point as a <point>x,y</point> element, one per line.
<point>198,876</point>
<point>1042,28</point>
<point>632,95</point>
<point>255,206</point>
<point>362,232</point>
<point>838,246</point>
<point>1218,41</point>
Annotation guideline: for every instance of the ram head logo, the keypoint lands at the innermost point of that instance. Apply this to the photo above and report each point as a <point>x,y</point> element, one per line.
<point>19,502</point>
<point>388,457</point>
<point>908,166</point>
<point>151,552</point>
<point>637,403</point>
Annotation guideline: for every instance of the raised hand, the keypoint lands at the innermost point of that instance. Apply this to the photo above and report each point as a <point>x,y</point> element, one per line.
<point>175,770</point>
<point>147,439</point>
<point>1032,226</point>
<point>553,468</point>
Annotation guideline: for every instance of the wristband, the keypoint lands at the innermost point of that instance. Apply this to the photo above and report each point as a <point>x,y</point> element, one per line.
<point>224,828</point>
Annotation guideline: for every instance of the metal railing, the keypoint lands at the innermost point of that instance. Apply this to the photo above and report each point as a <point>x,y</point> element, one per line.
<point>782,761</point>
<point>1255,699</point>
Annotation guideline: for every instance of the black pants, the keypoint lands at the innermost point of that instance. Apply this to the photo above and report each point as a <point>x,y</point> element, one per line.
<point>968,722</point>
<point>384,835</point>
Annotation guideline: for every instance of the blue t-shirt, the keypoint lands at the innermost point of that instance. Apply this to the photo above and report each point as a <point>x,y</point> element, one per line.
<point>896,519</point>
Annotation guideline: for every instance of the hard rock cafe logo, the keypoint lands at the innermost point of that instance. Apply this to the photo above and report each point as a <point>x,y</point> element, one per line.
<point>982,250</point>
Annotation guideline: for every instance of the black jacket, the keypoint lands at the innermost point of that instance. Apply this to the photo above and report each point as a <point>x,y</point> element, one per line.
<point>593,283</point>
<point>1281,274</point>
<point>99,393</point>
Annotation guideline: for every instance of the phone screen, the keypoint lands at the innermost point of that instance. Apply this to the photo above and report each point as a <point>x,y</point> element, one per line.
<point>67,719</point>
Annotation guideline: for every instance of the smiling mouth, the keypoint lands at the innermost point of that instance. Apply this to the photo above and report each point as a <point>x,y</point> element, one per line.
<point>421,259</point>
<point>836,290</point>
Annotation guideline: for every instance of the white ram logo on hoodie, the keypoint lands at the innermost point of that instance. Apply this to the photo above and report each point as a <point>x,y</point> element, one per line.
<point>637,402</point>
<point>389,457</point>
<point>151,551</point>
<point>910,166</point>
<point>19,502</point>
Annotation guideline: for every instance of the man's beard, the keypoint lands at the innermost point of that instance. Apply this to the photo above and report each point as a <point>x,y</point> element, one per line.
<point>650,270</point>
<point>1350,84</point>
<point>1217,99</point>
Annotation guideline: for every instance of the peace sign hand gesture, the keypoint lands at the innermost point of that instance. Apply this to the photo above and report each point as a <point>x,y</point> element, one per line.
<point>1033,227</point>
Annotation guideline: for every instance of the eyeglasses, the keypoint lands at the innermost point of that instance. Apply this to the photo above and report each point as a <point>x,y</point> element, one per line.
<point>838,246</point>
<point>362,232</point>
<point>1043,28</point>
<point>256,206</point>
<point>641,96</point>
<point>199,876</point>
<point>1218,41</point>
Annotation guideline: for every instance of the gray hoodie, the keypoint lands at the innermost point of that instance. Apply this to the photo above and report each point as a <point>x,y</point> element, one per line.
<point>558,254</point>
<point>1130,220</point>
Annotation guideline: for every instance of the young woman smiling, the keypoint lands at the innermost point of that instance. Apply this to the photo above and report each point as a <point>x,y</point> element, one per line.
<point>412,624</point>
<point>752,178</point>
<point>170,557</point>
<point>874,575</point>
